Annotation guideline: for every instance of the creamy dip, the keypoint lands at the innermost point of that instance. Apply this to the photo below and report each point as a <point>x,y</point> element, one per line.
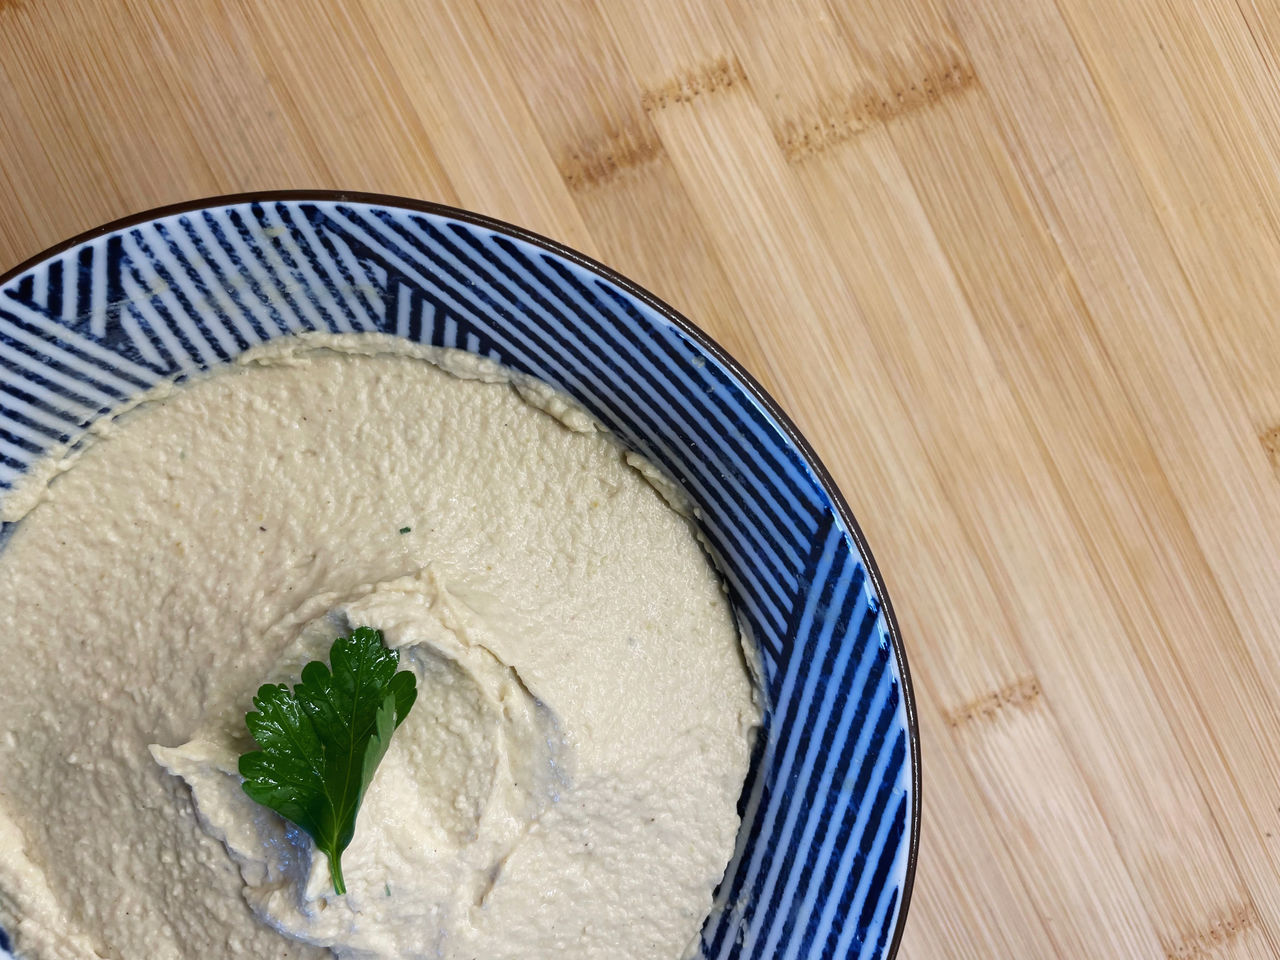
<point>565,785</point>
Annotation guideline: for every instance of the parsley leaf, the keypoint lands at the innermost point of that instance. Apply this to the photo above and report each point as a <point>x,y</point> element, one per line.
<point>322,741</point>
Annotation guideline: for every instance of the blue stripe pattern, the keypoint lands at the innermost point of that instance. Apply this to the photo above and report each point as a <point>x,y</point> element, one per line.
<point>822,857</point>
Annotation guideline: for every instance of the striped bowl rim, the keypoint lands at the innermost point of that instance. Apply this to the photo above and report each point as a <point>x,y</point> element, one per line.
<point>667,313</point>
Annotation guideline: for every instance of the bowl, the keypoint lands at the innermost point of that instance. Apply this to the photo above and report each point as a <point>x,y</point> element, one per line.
<point>830,810</point>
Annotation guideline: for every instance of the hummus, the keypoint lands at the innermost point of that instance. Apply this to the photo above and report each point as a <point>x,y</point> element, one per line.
<point>566,784</point>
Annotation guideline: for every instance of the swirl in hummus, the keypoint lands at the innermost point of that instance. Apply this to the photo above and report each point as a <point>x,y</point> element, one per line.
<point>566,785</point>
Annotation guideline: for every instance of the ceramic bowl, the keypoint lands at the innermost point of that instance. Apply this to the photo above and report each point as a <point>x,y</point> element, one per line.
<point>826,852</point>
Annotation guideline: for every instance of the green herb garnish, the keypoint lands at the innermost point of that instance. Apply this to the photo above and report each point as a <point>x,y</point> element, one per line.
<point>322,741</point>
<point>406,529</point>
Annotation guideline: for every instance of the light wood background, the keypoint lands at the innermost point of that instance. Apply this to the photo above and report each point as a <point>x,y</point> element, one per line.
<point>1012,265</point>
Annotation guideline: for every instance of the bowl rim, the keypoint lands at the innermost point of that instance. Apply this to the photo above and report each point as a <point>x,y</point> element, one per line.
<point>671,315</point>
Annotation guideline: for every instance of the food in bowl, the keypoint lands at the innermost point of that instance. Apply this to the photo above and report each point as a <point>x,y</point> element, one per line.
<point>826,851</point>
<point>566,784</point>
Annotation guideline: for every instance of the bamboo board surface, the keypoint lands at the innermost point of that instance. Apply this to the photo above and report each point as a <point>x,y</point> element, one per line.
<point>1010,264</point>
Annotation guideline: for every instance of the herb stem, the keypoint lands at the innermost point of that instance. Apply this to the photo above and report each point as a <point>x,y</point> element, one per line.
<point>335,873</point>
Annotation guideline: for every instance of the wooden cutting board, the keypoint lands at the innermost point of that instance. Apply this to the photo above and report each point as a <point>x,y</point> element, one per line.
<point>1013,266</point>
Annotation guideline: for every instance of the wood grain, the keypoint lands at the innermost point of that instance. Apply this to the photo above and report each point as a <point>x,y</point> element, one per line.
<point>1011,266</point>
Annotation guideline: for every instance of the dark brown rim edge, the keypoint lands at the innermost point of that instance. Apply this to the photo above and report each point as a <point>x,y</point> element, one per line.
<point>687,326</point>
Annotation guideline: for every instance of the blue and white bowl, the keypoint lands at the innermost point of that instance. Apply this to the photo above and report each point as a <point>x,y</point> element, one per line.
<point>827,849</point>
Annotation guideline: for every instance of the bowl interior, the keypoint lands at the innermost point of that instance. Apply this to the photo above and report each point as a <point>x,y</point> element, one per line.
<point>830,820</point>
